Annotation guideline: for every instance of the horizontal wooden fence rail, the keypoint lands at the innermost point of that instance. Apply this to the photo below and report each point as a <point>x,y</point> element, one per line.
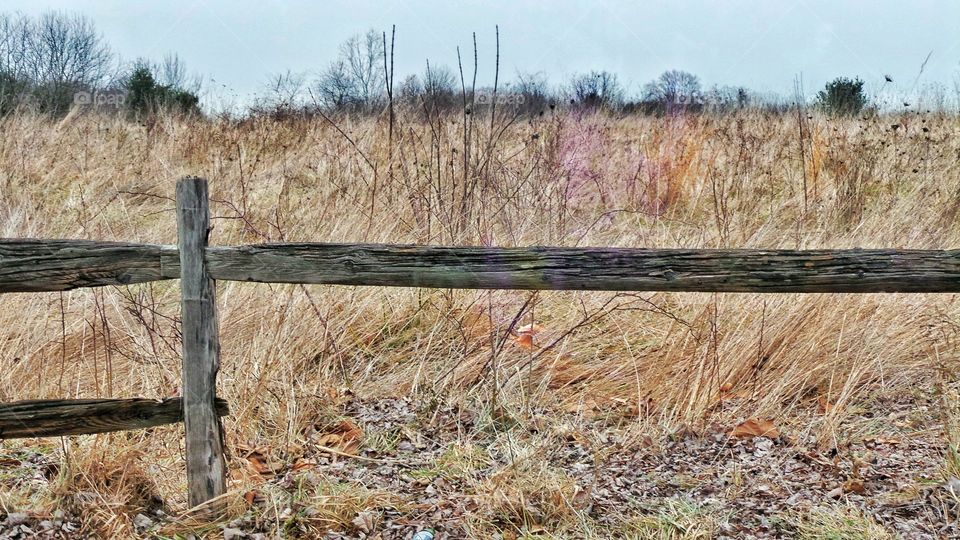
<point>57,265</point>
<point>41,418</point>
<point>28,265</point>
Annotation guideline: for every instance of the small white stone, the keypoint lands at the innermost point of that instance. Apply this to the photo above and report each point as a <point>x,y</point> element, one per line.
<point>142,522</point>
<point>16,518</point>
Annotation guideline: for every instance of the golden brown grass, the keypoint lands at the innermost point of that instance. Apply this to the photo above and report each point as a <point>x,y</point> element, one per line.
<point>290,352</point>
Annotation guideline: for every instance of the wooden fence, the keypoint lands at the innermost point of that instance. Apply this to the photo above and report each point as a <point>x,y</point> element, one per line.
<point>28,265</point>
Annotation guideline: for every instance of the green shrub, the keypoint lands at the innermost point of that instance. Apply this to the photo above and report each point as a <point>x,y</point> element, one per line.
<point>145,95</point>
<point>842,97</point>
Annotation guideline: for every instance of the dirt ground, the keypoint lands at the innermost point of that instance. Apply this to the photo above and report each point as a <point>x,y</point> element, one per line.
<point>468,473</point>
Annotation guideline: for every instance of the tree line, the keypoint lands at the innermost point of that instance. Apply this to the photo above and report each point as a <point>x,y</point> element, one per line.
<point>57,60</point>
<point>356,81</point>
<point>359,80</point>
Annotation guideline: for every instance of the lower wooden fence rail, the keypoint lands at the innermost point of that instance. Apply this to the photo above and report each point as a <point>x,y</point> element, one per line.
<point>31,265</point>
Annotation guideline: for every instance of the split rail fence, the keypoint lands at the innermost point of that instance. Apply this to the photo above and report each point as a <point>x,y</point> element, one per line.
<point>31,265</point>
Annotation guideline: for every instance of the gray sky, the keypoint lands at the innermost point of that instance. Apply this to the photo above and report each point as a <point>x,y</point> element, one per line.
<point>760,44</point>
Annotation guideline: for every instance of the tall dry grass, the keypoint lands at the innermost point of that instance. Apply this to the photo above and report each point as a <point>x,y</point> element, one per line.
<point>657,360</point>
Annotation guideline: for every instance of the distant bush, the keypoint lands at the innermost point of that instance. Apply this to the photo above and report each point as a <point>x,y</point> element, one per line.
<point>842,97</point>
<point>145,95</point>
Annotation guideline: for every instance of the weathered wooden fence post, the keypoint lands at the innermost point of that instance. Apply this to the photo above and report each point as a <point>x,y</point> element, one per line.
<point>201,346</point>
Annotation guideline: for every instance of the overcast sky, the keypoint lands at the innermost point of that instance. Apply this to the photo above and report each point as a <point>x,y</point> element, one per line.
<point>760,44</point>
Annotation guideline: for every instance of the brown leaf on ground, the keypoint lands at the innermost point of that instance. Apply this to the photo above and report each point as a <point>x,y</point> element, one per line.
<point>345,436</point>
<point>365,522</point>
<point>257,460</point>
<point>301,464</point>
<point>854,485</point>
<point>525,341</point>
<point>756,427</point>
<point>259,465</point>
<point>582,497</point>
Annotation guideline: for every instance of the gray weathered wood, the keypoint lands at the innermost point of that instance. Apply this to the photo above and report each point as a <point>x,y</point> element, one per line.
<point>51,265</point>
<point>56,417</point>
<point>201,346</point>
<point>606,269</point>
<point>28,265</point>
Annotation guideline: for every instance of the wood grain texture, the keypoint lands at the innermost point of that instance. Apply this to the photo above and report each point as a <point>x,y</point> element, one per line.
<point>55,417</point>
<point>53,265</point>
<point>604,269</point>
<point>28,265</point>
<point>201,346</point>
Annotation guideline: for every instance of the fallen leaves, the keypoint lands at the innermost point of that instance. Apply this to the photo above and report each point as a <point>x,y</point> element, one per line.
<point>883,440</point>
<point>345,436</point>
<point>301,464</point>
<point>257,461</point>
<point>756,427</point>
<point>525,341</point>
<point>854,485</point>
<point>365,522</point>
<point>524,336</point>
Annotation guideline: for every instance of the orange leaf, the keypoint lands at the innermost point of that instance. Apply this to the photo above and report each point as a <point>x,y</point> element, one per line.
<point>250,496</point>
<point>257,464</point>
<point>726,387</point>
<point>756,427</point>
<point>526,341</point>
<point>345,436</point>
<point>301,464</point>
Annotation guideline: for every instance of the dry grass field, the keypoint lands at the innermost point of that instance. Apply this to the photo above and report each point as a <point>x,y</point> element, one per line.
<point>363,412</point>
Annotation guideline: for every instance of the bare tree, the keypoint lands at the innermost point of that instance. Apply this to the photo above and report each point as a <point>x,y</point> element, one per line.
<point>673,89</point>
<point>15,38</point>
<point>355,80</point>
<point>596,89</point>
<point>336,89</point>
<point>15,82</point>
<point>364,58</point>
<point>534,90</point>
<point>283,95</point>
<point>439,88</point>
<point>172,73</point>
<point>432,91</point>
<point>52,56</point>
<point>411,89</point>
<point>68,49</point>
